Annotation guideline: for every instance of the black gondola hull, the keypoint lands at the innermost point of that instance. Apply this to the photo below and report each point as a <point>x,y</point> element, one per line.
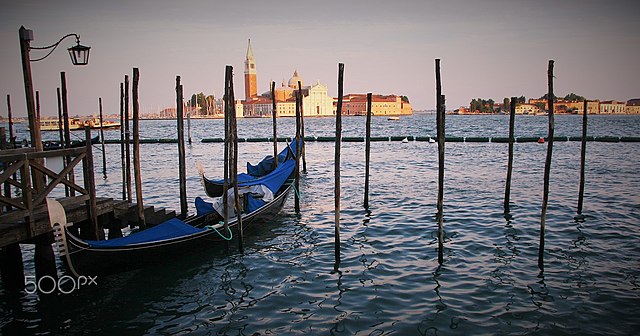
<point>92,261</point>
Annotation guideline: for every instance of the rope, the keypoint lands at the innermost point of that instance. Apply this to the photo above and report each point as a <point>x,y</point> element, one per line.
<point>218,232</point>
<point>296,191</point>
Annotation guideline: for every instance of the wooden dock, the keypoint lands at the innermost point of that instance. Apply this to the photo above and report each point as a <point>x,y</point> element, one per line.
<point>112,215</point>
<point>26,183</point>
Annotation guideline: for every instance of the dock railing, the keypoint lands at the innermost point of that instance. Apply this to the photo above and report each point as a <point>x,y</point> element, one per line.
<point>17,170</point>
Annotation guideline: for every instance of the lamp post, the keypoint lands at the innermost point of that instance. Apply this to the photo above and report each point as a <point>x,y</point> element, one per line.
<point>79,56</point>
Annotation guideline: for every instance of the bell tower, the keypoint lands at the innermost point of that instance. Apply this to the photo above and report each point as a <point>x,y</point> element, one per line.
<point>250,82</point>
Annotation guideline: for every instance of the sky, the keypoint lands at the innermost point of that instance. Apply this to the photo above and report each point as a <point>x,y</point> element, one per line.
<point>488,49</point>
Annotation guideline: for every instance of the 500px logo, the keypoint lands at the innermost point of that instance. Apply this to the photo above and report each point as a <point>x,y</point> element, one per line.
<point>65,284</point>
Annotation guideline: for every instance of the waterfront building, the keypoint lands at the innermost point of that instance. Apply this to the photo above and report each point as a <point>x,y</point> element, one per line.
<point>593,107</point>
<point>356,104</point>
<point>633,106</point>
<point>612,106</point>
<point>528,109</point>
<point>316,101</point>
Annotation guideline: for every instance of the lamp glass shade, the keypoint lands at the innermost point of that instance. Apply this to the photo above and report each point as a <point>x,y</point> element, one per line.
<point>79,54</point>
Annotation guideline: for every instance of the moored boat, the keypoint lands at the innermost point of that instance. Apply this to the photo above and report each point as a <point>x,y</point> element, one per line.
<point>175,236</point>
<point>77,124</point>
<point>213,188</point>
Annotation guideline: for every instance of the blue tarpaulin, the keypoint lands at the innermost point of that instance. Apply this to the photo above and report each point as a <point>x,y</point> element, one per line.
<point>173,228</point>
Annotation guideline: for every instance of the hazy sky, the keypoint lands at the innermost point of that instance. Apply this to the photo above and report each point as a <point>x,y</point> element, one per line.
<point>489,49</point>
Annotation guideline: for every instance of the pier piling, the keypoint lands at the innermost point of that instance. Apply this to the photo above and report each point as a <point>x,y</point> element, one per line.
<point>298,150</point>
<point>104,154</point>
<point>67,129</point>
<point>225,183</point>
<point>45,263</point>
<point>60,122</point>
<point>38,106</point>
<point>12,138</point>
<point>440,125</point>
<point>94,231</point>
<point>11,267</point>
<point>233,157</point>
<point>547,165</point>
<point>367,152</point>
<point>122,142</point>
<point>181,150</point>
<point>302,150</point>
<point>189,126</point>
<point>6,186</point>
<point>583,155</point>
<point>127,138</point>
<point>507,188</point>
<point>337,161</point>
<point>136,147</point>
<point>274,115</point>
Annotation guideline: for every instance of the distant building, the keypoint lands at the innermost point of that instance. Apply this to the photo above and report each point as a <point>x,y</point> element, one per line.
<point>528,109</point>
<point>633,106</point>
<point>250,75</point>
<point>612,106</point>
<point>356,104</point>
<point>315,98</point>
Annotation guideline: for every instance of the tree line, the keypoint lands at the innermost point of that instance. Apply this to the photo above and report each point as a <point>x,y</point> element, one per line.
<point>489,105</point>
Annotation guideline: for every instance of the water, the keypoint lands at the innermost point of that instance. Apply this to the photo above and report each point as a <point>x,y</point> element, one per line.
<point>389,281</point>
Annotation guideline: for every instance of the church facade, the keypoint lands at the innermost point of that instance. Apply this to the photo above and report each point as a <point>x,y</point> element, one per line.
<point>316,101</point>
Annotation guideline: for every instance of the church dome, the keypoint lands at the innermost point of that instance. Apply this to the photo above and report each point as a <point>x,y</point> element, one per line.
<point>293,82</point>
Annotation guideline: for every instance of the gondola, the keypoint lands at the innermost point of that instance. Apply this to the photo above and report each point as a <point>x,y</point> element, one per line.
<point>54,144</point>
<point>175,236</point>
<point>213,188</point>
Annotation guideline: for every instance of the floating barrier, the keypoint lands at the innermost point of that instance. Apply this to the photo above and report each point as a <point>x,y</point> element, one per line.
<point>401,138</point>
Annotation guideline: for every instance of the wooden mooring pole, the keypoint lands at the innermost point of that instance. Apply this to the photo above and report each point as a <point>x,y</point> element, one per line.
<point>298,153</point>
<point>440,125</point>
<point>122,154</point>
<point>11,267</point>
<point>104,154</point>
<point>182,173</point>
<point>367,152</point>
<point>547,165</point>
<point>67,129</point>
<point>7,186</point>
<point>60,122</point>
<point>233,158</point>
<point>583,155</point>
<point>38,105</point>
<point>337,161</point>
<point>136,148</point>
<point>507,188</point>
<point>189,126</point>
<point>94,232</point>
<point>127,138</point>
<point>274,115</point>
<point>302,142</point>
<point>12,138</point>
<point>225,184</point>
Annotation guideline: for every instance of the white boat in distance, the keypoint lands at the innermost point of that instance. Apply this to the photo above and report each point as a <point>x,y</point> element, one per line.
<point>77,124</point>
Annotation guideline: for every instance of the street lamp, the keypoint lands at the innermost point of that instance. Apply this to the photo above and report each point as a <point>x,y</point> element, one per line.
<point>79,56</point>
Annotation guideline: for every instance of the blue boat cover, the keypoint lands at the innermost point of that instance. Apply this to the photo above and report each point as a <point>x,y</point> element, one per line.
<point>273,181</point>
<point>265,166</point>
<point>203,207</point>
<point>173,228</point>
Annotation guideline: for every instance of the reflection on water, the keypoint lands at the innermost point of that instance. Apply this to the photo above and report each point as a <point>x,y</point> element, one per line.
<point>388,280</point>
